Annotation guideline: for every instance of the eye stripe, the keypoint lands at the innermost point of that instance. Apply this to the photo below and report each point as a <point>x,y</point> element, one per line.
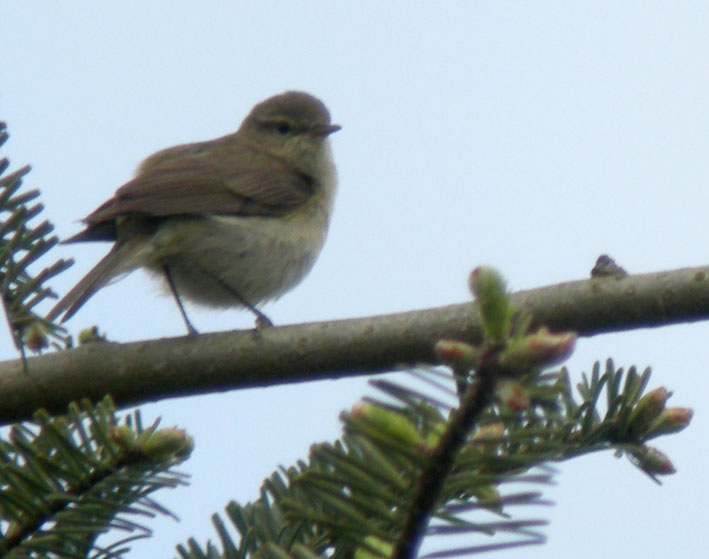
<point>283,127</point>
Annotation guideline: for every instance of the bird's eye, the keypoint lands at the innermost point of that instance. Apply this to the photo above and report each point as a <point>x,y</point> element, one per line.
<point>283,127</point>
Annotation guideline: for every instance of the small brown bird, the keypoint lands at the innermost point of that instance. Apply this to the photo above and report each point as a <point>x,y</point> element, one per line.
<point>234,221</point>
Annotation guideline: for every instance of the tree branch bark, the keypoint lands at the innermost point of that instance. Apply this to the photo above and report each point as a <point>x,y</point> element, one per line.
<point>145,371</point>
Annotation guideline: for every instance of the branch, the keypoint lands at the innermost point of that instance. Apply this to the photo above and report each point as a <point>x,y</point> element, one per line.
<point>151,370</point>
<point>433,477</point>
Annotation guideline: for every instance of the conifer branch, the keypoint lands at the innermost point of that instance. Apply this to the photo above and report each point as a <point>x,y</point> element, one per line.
<point>139,372</point>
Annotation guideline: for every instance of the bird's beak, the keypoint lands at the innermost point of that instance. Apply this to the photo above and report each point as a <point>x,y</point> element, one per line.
<point>325,129</point>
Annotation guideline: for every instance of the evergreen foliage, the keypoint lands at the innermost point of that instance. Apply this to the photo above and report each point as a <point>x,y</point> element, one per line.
<point>353,497</point>
<point>21,244</point>
<point>66,480</point>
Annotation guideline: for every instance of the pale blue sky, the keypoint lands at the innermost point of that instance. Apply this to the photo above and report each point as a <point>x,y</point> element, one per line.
<point>529,136</point>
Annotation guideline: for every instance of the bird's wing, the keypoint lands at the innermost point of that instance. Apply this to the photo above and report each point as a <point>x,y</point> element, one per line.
<point>256,183</point>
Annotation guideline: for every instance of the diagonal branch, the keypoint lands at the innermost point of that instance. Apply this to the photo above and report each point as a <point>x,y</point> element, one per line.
<point>428,489</point>
<point>151,370</point>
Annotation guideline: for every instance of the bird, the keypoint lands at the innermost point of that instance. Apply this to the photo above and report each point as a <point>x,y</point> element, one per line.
<point>231,222</point>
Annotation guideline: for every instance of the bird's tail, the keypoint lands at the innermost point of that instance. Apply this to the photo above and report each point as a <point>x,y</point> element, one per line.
<point>122,259</point>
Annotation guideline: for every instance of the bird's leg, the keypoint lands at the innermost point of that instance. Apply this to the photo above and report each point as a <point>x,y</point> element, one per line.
<point>262,321</point>
<point>190,329</point>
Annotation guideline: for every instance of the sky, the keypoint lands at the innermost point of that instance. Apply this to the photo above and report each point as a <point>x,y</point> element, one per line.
<point>530,136</point>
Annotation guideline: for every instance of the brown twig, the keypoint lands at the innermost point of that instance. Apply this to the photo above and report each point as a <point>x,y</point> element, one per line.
<point>138,372</point>
<point>427,491</point>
